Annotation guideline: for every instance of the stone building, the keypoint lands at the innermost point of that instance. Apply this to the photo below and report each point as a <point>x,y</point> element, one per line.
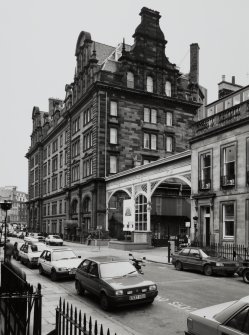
<point>220,180</point>
<point>127,106</point>
<point>18,212</point>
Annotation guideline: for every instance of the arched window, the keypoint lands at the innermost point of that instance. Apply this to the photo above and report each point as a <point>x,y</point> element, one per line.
<point>130,79</point>
<point>87,205</point>
<point>149,84</point>
<point>168,88</point>
<point>74,207</point>
<point>141,213</point>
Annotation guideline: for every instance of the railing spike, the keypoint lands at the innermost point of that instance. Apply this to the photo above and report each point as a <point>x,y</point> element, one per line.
<point>96,328</point>
<point>90,325</point>
<point>108,331</point>
<point>63,306</point>
<point>71,311</point>
<point>84,321</point>
<point>101,330</point>
<point>80,318</point>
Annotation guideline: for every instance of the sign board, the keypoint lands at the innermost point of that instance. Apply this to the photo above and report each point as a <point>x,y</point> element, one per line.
<point>187,224</point>
<point>128,215</point>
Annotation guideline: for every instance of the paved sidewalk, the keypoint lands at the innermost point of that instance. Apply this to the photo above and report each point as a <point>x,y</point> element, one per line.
<point>157,255</point>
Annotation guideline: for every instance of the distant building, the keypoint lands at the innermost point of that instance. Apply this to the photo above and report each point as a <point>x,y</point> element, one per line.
<point>220,168</point>
<point>127,106</point>
<point>18,212</point>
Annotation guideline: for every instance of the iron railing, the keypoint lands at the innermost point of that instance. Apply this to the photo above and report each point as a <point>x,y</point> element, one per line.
<point>71,321</point>
<point>20,305</point>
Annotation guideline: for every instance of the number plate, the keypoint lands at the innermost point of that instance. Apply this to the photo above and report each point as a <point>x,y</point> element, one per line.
<point>72,272</point>
<point>137,297</point>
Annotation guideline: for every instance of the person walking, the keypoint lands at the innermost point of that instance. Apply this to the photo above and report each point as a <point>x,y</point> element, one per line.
<point>89,238</point>
<point>9,251</point>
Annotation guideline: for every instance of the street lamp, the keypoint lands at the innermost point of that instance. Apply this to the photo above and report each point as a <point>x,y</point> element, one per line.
<point>5,206</point>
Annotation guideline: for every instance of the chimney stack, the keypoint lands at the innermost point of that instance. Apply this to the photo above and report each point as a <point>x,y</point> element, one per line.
<point>233,79</point>
<point>223,78</point>
<point>194,63</point>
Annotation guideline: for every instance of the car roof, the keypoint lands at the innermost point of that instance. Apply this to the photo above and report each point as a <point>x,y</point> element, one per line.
<point>107,259</point>
<point>57,248</point>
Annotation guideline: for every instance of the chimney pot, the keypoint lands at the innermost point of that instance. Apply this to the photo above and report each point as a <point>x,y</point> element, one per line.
<point>233,79</point>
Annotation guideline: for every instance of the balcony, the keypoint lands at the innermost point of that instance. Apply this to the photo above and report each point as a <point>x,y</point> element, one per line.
<point>205,185</point>
<point>222,119</point>
<point>227,181</point>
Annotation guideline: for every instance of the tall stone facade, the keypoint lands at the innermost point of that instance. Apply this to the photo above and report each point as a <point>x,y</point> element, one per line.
<point>127,106</point>
<point>220,170</point>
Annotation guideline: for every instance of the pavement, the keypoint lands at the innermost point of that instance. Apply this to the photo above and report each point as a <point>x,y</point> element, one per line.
<point>53,291</point>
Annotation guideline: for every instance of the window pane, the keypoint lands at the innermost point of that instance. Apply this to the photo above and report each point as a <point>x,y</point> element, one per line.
<point>130,80</point>
<point>113,164</point>
<point>149,84</point>
<point>169,143</point>
<point>146,141</point>
<point>236,100</point>
<point>146,115</point>
<point>153,116</point>
<point>246,95</point>
<point>229,154</point>
<point>114,108</point>
<point>113,135</point>
<point>169,119</point>
<point>168,88</point>
<point>153,142</point>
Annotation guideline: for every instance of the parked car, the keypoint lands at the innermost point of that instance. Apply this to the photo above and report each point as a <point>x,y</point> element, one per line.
<point>17,246</point>
<point>58,262</point>
<point>114,281</point>
<point>244,270</point>
<point>53,240</point>
<point>227,318</point>
<point>35,237</point>
<point>29,253</point>
<point>206,261</point>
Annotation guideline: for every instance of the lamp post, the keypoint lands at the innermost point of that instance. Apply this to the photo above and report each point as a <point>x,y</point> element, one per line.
<point>5,206</point>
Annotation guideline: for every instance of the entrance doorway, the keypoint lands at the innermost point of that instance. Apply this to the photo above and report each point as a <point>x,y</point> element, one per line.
<point>207,224</point>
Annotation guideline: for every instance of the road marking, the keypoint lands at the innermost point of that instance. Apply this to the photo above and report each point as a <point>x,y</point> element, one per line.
<point>176,304</point>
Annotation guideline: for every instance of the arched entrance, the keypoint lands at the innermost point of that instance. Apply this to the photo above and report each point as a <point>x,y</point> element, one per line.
<point>170,211</point>
<point>115,215</point>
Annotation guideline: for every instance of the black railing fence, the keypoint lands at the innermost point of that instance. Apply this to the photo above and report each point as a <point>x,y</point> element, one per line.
<point>71,321</point>
<point>229,251</point>
<point>20,304</point>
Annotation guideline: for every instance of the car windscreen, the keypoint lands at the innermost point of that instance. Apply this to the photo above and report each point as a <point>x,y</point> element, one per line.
<point>55,236</point>
<point>116,269</point>
<point>63,254</point>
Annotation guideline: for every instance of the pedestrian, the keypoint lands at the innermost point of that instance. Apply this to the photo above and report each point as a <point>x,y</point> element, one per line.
<point>89,238</point>
<point>9,251</point>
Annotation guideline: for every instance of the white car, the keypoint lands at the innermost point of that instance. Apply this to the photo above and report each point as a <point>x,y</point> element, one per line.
<point>34,237</point>
<point>30,253</point>
<point>58,262</point>
<point>53,240</point>
<point>230,318</point>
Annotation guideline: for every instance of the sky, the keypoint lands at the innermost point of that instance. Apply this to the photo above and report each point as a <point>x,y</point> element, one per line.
<point>37,58</point>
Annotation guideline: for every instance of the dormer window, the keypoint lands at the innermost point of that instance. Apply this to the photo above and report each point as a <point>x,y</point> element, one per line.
<point>130,80</point>
<point>168,88</point>
<point>149,84</point>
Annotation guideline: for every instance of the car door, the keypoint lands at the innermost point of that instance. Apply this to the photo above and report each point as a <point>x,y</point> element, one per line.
<point>194,259</point>
<point>183,257</point>
<point>82,273</point>
<point>238,324</point>
<point>93,277</point>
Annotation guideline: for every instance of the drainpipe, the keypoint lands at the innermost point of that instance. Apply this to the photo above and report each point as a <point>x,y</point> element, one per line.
<point>105,133</point>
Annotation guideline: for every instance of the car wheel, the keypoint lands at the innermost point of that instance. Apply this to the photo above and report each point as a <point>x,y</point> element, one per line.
<point>61,244</point>
<point>246,276</point>
<point>104,302</point>
<point>41,270</point>
<point>54,275</point>
<point>208,270</point>
<point>179,266</point>
<point>80,290</point>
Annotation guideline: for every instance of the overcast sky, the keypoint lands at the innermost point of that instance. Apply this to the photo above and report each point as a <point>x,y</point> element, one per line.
<point>38,40</point>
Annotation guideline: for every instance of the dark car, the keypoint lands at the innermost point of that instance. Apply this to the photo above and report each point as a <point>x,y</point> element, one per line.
<point>206,261</point>
<point>115,281</point>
